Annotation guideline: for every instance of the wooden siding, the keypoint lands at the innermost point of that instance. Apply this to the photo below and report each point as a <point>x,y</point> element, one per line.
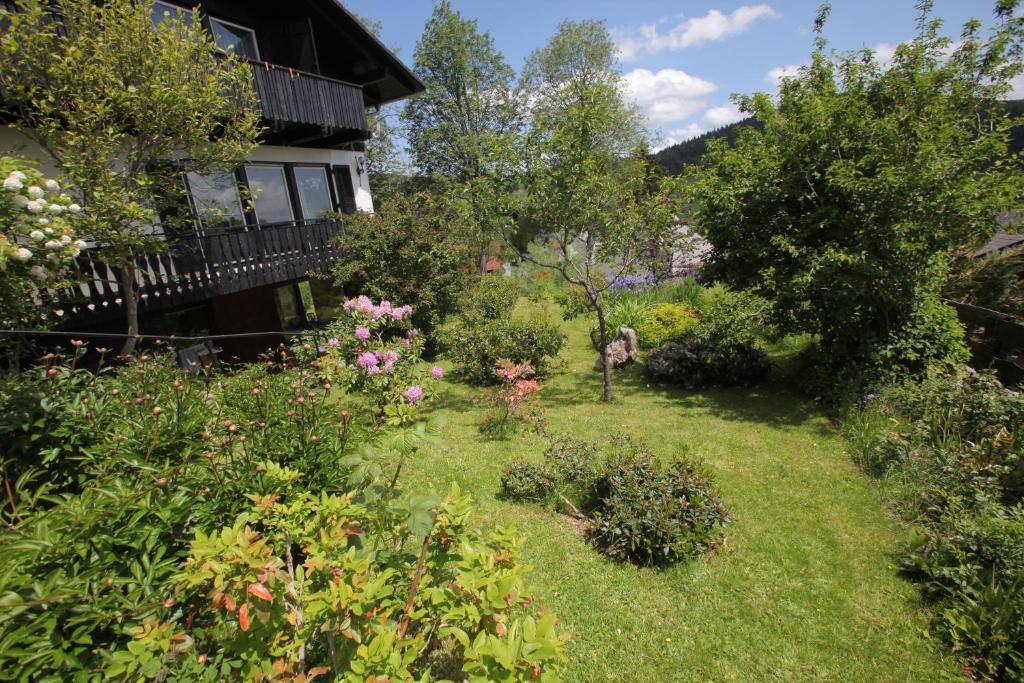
<point>201,266</point>
<point>291,97</point>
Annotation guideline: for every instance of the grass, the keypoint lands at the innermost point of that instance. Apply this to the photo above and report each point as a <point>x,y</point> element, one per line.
<point>805,588</point>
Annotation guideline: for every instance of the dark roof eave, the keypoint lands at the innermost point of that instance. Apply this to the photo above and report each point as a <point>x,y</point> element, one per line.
<point>405,74</point>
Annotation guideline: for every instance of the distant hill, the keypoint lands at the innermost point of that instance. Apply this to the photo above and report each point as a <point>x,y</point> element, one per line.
<point>676,157</point>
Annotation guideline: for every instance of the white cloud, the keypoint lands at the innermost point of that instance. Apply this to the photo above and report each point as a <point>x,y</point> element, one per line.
<point>713,26</point>
<point>668,95</point>
<point>723,116</point>
<point>775,76</point>
<point>884,52</point>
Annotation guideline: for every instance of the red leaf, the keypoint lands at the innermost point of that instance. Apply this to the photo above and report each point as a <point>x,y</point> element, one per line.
<point>229,602</point>
<point>260,591</point>
<point>243,617</point>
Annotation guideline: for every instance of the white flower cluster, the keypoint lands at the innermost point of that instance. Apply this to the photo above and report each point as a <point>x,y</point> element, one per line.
<point>37,222</point>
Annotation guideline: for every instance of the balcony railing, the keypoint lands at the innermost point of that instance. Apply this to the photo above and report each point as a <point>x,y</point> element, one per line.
<point>290,97</point>
<point>203,265</point>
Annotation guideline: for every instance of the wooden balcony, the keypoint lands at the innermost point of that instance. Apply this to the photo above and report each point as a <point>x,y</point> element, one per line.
<point>203,265</point>
<point>304,108</point>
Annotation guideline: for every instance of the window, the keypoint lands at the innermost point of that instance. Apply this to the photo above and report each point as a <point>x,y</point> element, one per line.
<point>165,10</point>
<point>314,195</point>
<point>346,191</point>
<point>234,39</point>
<point>270,189</point>
<point>215,198</point>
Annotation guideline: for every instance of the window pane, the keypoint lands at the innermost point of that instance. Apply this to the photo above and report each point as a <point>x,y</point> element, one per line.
<point>234,39</point>
<point>314,197</point>
<point>271,201</point>
<point>164,10</point>
<point>215,196</point>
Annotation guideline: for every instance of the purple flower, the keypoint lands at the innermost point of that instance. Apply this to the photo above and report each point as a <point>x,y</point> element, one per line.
<point>333,341</point>
<point>413,394</point>
<point>437,371</point>
<point>388,365</point>
<point>413,333</point>
<point>367,360</point>
<point>406,343</point>
<point>362,333</point>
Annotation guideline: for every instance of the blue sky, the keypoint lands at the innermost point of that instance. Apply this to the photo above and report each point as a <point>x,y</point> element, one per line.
<point>682,60</point>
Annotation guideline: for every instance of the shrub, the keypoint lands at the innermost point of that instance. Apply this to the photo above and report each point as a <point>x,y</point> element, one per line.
<point>950,443</point>
<point>654,515</point>
<point>526,481</point>
<point>214,528</point>
<point>666,322</point>
<point>695,364</point>
<point>510,403</point>
<point>405,251</point>
<point>636,510</point>
<point>486,331</point>
<point>733,318</point>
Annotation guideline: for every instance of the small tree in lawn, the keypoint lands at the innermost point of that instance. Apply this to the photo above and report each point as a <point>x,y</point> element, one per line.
<point>601,209</point>
<point>125,107</point>
<point>844,210</point>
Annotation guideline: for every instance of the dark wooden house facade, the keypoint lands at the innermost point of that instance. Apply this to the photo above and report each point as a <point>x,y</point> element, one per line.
<point>316,72</point>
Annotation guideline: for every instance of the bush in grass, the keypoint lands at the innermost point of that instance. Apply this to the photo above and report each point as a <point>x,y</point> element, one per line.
<point>523,480</point>
<point>693,364</point>
<point>733,318</point>
<point>636,509</point>
<point>666,322</point>
<point>655,515</point>
<point>486,332</point>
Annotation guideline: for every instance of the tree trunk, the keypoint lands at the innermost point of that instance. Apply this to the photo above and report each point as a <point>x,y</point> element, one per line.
<point>602,329</point>
<point>483,261</point>
<point>131,305</point>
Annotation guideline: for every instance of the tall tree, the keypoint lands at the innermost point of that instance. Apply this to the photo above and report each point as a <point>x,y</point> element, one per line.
<point>598,205</point>
<point>463,127</point>
<point>844,209</point>
<point>125,107</point>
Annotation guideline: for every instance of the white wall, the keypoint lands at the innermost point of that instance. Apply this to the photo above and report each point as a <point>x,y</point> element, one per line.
<point>14,143</point>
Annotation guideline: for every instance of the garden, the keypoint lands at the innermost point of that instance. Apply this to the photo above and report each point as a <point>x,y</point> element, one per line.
<point>626,456</point>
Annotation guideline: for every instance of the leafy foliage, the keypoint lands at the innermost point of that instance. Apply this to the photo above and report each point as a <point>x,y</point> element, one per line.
<point>486,331</point>
<point>952,446</point>
<point>636,509</point>
<point>693,364</point>
<point>167,526</point>
<point>112,99</point>
<point>405,251</point>
<point>666,322</point>
<point>654,515</point>
<point>842,211</point>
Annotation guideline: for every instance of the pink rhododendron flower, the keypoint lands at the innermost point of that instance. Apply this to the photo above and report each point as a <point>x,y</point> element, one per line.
<point>333,341</point>
<point>437,371</point>
<point>413,394</point>
<point>362,333</point>
<point>367,360</point>
<point>413,333</point>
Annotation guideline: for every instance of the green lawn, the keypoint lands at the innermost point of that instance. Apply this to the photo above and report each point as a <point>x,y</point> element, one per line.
<point>804,588</point>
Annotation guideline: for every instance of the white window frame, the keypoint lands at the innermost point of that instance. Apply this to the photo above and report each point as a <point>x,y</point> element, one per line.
<point>255,41</point>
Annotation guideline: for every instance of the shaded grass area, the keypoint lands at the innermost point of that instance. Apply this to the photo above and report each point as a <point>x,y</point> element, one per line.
<point>805,586</point>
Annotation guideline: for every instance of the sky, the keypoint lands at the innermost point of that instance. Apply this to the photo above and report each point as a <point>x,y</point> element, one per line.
<point>682,60</point>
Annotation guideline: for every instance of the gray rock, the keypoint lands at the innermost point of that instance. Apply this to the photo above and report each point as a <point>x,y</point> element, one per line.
<point>622,350</point>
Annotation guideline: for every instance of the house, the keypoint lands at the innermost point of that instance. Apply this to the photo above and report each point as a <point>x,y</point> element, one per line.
<point>316,71</point>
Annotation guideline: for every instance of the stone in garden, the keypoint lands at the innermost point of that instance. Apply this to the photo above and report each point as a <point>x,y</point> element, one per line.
<point>622,350</point>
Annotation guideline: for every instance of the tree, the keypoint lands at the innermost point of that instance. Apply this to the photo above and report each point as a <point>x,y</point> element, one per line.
<point>464,126</point>
<point>125,108</point>
<point>842,212</point>
<point>601,209</point>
